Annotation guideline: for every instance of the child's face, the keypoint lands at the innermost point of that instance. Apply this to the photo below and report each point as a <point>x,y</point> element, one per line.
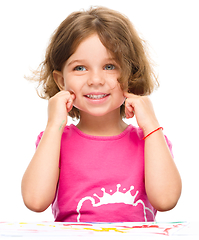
<point>92,75</point>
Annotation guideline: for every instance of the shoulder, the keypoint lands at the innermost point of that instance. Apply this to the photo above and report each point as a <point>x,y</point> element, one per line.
<point>135,132</point>
<point>67,132</point>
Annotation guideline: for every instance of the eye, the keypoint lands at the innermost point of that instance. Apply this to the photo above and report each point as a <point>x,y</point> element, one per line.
<point>109,67</point>
<point>80,68</point>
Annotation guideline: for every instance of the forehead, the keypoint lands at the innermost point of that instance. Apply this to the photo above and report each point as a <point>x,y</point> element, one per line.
<point>91,48</point>
<point>91,44</point>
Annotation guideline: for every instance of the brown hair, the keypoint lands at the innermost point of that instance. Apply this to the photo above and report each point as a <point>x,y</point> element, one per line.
<point>116,33</point>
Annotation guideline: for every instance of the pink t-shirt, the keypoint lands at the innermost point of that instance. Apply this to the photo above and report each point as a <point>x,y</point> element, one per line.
<point>102,178</point>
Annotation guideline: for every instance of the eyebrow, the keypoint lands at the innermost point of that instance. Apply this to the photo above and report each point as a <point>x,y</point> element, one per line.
<point>76,61</point>
<point>84,60</point>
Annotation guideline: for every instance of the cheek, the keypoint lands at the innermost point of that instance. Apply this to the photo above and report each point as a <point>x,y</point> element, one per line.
<point>77,103</point>
<point>112,84</point>
<point>70,86</point>
<point>119,95</point>
<point>73,89</point>
<point>111,80</point>
<point>121,100</point>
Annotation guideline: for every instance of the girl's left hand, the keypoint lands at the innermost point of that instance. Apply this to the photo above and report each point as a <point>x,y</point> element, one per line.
<point>142,108</point>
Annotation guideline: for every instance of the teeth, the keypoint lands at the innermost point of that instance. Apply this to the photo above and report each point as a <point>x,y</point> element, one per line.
<point>96,96</point>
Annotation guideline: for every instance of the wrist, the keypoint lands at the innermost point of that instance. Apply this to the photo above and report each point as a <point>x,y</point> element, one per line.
<point>149,128</point>
<point>155,130</point>
<point>56,126</point>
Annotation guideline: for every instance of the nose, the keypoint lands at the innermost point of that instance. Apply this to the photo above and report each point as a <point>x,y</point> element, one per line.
<point>96,78</point>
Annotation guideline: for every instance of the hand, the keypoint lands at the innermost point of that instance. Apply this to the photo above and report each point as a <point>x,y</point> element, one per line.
<point>142,108</point>
<point>58,107</point>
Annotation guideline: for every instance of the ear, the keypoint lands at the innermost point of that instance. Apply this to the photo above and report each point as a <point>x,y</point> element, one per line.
<point>58,77</point>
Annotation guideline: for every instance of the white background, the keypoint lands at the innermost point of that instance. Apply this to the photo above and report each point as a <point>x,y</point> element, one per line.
<point>171,29</point>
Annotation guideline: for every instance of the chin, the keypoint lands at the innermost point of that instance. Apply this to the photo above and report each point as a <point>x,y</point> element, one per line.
<point>100,113</point>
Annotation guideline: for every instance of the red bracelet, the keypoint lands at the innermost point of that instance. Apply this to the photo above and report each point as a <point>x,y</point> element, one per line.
<point>153,132</point>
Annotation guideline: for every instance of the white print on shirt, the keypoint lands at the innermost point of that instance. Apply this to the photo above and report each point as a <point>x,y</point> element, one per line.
<point>117,197</point>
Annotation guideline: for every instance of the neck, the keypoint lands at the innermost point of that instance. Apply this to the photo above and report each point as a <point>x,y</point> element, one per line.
<point>109,125</point>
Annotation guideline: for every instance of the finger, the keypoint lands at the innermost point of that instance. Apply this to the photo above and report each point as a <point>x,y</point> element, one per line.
<point>69,105</point>
<point>129,111</point>
<point>129,114</point>
<point>73,96</point>
<point>128,95</point>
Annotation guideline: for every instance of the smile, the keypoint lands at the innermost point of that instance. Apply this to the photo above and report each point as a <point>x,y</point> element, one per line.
<point>99,96</point>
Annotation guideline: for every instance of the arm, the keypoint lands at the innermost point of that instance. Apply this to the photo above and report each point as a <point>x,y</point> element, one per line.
<point>40,180</point>
<point>162,179</point>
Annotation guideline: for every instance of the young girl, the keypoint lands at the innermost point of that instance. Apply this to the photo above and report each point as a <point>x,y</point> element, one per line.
<point>101,170</point>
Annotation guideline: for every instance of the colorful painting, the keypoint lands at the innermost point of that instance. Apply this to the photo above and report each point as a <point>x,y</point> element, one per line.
<point>59,230</point>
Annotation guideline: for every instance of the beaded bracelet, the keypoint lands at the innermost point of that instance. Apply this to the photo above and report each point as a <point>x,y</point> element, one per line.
<point>153,132</point>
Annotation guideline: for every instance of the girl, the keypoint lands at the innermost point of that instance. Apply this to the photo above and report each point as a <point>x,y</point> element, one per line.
<point>101,170</point>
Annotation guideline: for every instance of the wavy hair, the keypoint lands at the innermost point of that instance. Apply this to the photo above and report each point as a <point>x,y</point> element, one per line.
<point>116,33</point>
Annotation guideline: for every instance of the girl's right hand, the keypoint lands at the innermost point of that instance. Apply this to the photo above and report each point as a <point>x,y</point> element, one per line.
<point>58,108</point>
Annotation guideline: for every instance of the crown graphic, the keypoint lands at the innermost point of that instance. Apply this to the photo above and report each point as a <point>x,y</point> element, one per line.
<point>116,197</point>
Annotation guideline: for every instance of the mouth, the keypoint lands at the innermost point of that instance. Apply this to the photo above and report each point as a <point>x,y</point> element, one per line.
<point>96,96</point>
